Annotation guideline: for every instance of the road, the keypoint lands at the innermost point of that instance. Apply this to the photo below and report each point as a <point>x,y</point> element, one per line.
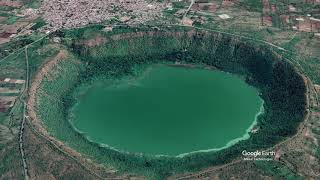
<point>224,32</point>
<point>192,2</point>
<point>22,125</point>
<point>21,49</point>
<point>21,97</point>
<point>235,35</point>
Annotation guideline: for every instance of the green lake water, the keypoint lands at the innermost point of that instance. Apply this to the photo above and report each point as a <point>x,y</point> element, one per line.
<point>168,111</point>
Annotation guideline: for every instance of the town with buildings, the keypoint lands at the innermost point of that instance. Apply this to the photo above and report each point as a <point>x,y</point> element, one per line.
<point>76,13</point>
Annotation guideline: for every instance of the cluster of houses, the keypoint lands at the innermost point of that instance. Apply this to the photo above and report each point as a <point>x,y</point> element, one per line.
<point>210,6</point>
<point>204,6</point>
<point>307,24</point>
<point>9,93</point>
<point>271,16</point>
<point>291,18</point>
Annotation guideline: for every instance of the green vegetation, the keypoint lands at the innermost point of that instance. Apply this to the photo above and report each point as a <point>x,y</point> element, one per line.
<point>44,51</point>
<point>9,160</point>
<point>4,14</point>
<point>13,66</point>
<point>277,170</point>
<point>39,23</point>
<point>252,5</point>
<point>2,117</point>
<point>318,152</point>
<point>282,89</point>
<point>311,67</point>
<point>32,3</point>
<point>11,19</point>
<point>6,8</point>
<point>180,4</point>
<point>15,45</point>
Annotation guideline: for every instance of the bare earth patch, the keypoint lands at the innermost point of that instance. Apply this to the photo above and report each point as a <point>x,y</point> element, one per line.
<point>9,3</point>
<point>98,40</point>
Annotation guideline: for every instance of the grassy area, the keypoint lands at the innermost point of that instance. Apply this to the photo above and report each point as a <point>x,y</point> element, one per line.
<point>10,161</point>
<point>11,20</point>
<point>277,170</point>
<point>39,23</point>
<point>32,3</point>
<point>312,69</point>
<point>252,5</point>
<point>4,14</point>
<point>318,152</point>
<point>13,66</point>
<point>180,4</point>
<point>6,8</point>
<point>14,48</point>
<point>2,117</point>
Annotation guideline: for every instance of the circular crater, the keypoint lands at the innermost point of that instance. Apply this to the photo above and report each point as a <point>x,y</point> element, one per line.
<point>123,55</point>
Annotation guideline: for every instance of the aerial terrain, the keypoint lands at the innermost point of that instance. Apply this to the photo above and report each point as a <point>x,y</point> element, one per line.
<point>159,89</point>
